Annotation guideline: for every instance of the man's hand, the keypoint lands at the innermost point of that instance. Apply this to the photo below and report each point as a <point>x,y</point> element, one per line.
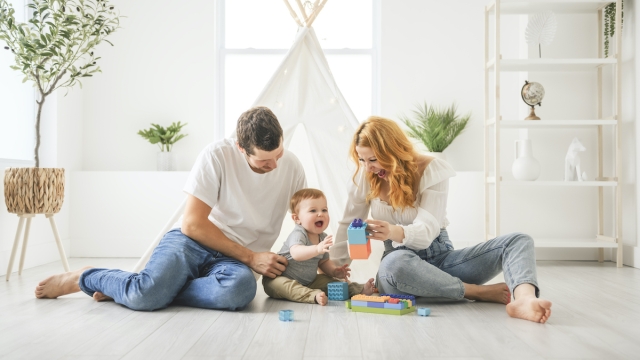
<point>268,264</point>
<point>324,245</point>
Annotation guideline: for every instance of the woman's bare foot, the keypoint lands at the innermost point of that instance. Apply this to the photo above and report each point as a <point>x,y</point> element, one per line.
<point>98,296</point>
<point>61,284</point>
<point>530,308</point>
<point>368,287</point>
<point>498,293</point>
<point>321,298</point>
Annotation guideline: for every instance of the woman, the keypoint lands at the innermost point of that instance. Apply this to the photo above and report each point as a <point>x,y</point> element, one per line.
<point>407,195</point>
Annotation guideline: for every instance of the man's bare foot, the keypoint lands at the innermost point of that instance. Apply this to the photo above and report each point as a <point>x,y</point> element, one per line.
<point>61,284</point>
<point>368,287</point>
<point>530,308</point>
<point>321,298</point>
<point>498,293</point>
<point>98,296</point>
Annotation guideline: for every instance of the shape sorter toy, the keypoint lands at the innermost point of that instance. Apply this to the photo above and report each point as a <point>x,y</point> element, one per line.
<point>384,304</point>
<point>359,245</point>
<point>338,290</point>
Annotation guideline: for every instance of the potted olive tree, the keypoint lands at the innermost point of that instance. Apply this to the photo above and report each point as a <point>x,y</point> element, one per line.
<point>436,128</point>
<point>53,49</point>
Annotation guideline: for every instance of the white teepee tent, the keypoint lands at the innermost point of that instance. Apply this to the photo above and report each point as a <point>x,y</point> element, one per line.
<point>303,91</point>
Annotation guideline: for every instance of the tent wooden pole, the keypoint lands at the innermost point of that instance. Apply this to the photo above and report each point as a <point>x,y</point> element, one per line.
<point>314,8</point>
<point>293,13</point>
<point>316,11</point>
<point>304,13</point>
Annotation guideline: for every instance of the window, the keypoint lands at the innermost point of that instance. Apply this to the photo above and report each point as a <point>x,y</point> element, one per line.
<point>254,36</point>
<point>17,103</point>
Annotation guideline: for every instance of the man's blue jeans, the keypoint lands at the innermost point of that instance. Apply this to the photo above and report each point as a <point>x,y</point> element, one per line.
<point>439,270</point>
<point>181,272</point>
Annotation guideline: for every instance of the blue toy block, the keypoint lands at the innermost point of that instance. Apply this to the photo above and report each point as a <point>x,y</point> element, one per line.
<point>374,304</point>
<point>424,311</point>
<point>286,315</point>
<point>338,290</point>
<point>359,303</point>
<point>356,234</point>
<point>393,306</point>
<point>403,297</point>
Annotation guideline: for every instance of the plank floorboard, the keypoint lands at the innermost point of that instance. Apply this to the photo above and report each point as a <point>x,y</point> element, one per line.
<point>596,312</point>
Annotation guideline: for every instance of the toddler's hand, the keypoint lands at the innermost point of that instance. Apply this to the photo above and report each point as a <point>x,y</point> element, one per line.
<point>324,245</point>
<point>342,272</point>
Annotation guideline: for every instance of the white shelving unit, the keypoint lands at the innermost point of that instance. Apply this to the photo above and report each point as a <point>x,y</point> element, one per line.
<point>495,65</point>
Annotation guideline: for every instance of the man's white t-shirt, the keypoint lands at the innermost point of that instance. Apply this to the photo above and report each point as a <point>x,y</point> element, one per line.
<point>248,207</point>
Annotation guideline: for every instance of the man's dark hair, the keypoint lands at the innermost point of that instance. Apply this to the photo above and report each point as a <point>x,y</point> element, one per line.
<point>258,127</point>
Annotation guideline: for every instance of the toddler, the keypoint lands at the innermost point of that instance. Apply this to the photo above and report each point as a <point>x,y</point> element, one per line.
<point>307,249</point>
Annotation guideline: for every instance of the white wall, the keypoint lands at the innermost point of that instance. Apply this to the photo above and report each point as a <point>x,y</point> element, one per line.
<point>159,71</point>
<point>119,213</point>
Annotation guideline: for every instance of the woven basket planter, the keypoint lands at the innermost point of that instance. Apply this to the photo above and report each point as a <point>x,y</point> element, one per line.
<point>34,190</point>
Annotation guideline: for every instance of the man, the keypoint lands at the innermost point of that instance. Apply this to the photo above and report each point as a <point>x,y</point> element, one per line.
<point>237,197</point>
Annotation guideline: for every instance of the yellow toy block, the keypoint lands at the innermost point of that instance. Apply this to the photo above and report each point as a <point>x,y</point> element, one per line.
<point>381,299</point>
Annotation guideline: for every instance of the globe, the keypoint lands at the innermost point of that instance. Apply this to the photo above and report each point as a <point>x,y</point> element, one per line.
<point>532,94</point>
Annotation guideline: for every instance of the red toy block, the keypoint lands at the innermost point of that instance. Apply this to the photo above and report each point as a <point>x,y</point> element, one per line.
<point>393,301</point>
<point>360,251</point>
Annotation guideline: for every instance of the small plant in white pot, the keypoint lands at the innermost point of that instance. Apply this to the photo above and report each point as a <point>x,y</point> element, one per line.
<point>164,138</point>
<point>53,49</point>
<point>436,128</point>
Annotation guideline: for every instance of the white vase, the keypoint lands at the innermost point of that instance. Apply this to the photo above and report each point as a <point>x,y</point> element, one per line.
<point>166,161</point>
<point>526,167</point>
<point>437,155</point>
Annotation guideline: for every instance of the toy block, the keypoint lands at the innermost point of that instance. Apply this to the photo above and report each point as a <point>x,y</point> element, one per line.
<point>365,298</point>
<point>286,315</point>
<point>397,296</point>
<point>356,233</point>
<point>359,303</point>
<point>338,290</point>
<point>382,311</point>
<point>361,252</point>
<point>375,304</point>
<point>393,306</point>
<point>424,311</point>
<point>393,301</point>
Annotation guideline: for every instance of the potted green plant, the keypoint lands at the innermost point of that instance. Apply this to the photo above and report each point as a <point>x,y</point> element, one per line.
<point>436,128</point>
<point>53,49</point>
<point>164,138</point>
<point>610,23</point>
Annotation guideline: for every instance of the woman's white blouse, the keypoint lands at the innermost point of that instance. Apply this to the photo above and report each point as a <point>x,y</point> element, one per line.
<point>421,224</point>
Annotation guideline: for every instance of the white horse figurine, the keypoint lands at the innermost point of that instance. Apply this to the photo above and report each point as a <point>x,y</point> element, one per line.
<point>572,170</point>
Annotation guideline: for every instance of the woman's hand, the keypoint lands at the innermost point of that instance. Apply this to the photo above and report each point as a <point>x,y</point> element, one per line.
<point>342,272</point>
<point>324,245</point>
<point>382,230</point>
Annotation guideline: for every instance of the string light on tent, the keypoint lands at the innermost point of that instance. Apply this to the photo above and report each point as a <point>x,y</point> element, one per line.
<point>332,100</point>
<point>279,104</point>
<point>341,128</point>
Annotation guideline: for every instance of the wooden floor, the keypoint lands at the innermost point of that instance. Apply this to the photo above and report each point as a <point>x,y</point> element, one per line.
<point>596,315</point>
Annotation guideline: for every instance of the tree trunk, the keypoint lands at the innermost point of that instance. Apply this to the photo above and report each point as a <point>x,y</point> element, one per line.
<point>40,104</point>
